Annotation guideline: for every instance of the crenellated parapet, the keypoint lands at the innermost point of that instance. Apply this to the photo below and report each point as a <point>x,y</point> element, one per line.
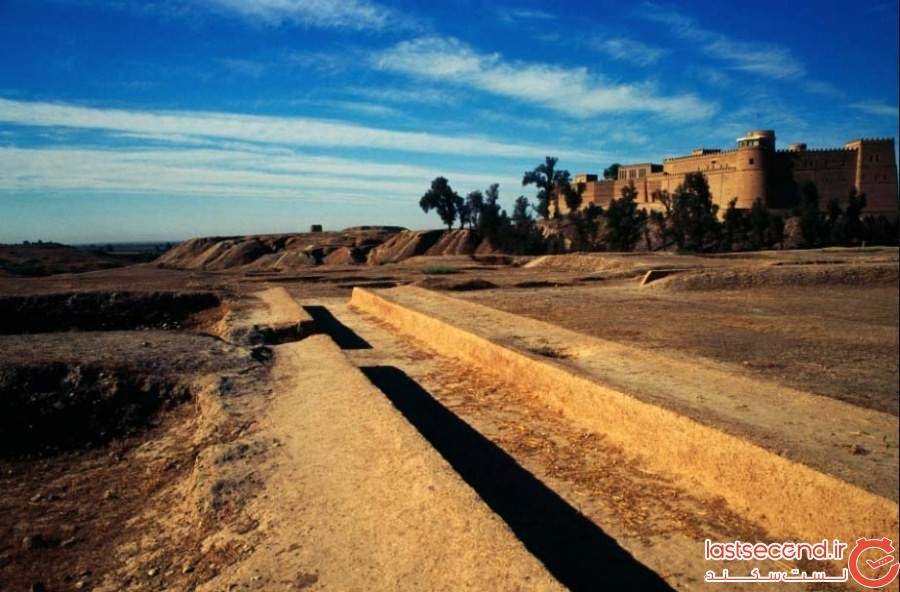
<point>817,151</point>
<point>707,156</point>
<point>756,169</point>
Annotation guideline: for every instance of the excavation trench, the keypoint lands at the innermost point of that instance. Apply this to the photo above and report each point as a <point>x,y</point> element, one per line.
<point>51,408</point>
<point>103,311</point>
<point>783,496</point>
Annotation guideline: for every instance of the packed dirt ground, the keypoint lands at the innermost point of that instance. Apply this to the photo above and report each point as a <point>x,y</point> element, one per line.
<point>190,486</point>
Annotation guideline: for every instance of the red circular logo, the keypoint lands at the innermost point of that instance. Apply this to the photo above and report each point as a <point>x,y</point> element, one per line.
<point>875,564</point>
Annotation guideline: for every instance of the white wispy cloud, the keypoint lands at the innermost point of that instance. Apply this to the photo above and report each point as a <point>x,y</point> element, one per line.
<point>292,131</point>
<point>422,95</point>
<point>824,88</point>
<point>515,16</point>
<point>190,172</point>
<point>331,63</point>
<point>573,91</point>
<point>334,14</point>
<point>772,61</point>
<point>629,50</point>
<point>373,109</point>
<point>242,172</point>
<point>244,67</point>
<point>877,108</point>
<point>351,15</point>
<point>765,59</point>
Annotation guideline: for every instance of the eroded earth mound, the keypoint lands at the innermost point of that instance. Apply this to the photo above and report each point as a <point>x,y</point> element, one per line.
<point>374,245</point>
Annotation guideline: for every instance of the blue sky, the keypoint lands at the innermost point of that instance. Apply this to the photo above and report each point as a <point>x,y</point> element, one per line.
<point>138,120</point>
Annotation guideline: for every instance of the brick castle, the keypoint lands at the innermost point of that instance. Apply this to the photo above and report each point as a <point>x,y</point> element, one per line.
<point>755,169</point>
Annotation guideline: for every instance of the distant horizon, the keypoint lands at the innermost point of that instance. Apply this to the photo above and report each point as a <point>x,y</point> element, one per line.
<point>124,121</point>
<point>102,243</point>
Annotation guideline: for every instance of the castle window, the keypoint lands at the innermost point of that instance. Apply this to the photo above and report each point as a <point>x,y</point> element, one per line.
<point>641,173</point>
<point>631,174</point>
<point>751,161</point>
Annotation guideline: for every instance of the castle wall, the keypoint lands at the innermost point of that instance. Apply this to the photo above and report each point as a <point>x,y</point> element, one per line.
<point>736,173</point>
<point>833,171</point>
<point>757,171</point>
<point>876,175</point>
<point>731,174</point>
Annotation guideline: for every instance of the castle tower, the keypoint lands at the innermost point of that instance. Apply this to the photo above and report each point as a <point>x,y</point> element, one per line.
<point>753,154</point>
<point>876,175</point>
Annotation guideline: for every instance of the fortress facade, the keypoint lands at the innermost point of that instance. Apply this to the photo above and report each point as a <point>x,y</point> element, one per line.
<point>755,169</point>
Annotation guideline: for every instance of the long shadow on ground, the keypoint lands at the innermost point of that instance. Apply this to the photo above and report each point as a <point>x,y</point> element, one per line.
<point>342,335</point>
<point>578,553</point>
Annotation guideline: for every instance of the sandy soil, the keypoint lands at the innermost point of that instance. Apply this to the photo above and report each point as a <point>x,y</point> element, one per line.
<point>822,433</point>
<point>131,514</point>
<point>260,483</point>
<point>356,499</point>
<point>835,341</point>
<point>655,521</point>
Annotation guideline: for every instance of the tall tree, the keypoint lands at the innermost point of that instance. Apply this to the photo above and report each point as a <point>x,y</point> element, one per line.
<point>694,213</point>
<point>624,222</point>
<point>759,222</point>
<point>473,208</point>
<point>486,215</point>
<point>592,214</point>
<point>810,218</point>
<point>733,226</point>
<point>442,199</point>
<point>612,171</point>
<point>853,215</point>
<point>659,220</point>
<point>572,195</point>
<point>550,183</point>
<point>521,215</point>
<point>663,219</point>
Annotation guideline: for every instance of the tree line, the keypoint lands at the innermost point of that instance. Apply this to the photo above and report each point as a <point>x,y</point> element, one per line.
<point>686,219</point>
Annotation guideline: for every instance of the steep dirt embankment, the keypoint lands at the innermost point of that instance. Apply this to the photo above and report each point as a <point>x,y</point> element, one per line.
<point>373,245</point>
<point>429,243</point>
<point>277,252</point>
